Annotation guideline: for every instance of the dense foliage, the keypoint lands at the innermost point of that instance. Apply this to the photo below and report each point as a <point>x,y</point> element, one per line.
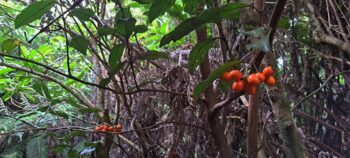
<point>150,78</point>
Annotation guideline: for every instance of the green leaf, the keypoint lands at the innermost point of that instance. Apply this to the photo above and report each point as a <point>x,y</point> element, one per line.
<point>202,86</point>
<point>151,55</point>
<point>140,28</point>
<point>89,110</point>
<point>104,31</point>
<point>46,91</point>
<point>283,23</point>
<point>60,148</point>
<point>78,133</point>
<point>262,44</point>
<point>90,144</point>
<point>159,7</point>
<point>341,80</point>
<point>116,54</point>
<point>33,12</point>
<point>59,113</point>
<point>125,27</point>
<point>104,82</point>
<point>198,53</point>
<point>228,11</point>
<point>9,44</point>
<point>42,89</point>
<point>73,154</point>
<point>84,14</point>
<point>6,70</point>
<point>7,95</point>
<point>191,5</point>
<point>37,148</point>
<point>27,115</point>
<point>80,43</point>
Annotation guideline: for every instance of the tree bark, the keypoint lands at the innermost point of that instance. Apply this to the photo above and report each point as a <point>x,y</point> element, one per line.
<point>214,122</point>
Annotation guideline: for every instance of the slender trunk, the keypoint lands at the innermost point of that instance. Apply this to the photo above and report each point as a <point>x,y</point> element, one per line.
<point>254,105</point>
<point>214,122</point>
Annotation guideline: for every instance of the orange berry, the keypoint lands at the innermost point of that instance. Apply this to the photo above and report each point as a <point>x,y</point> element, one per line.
<point>238,86</point>
<point>110,129</point>
<point>236,75</point>
<point>226,76</point>
<point>250,89</point>
<point>271,81</point>
<point>98,128</point>
<point>119,127</point>
<point>268,71</point>
<point>253,79</point>
<point>261,76</point>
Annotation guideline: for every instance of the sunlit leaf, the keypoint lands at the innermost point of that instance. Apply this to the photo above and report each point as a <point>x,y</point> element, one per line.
<point>33,12</point>
<point>9,44</point>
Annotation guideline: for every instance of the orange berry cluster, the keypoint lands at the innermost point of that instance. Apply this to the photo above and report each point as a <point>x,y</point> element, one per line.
<point>107,128</point>
<point>252,81</point>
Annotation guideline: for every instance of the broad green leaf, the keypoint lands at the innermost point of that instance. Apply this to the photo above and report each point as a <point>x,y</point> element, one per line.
<point>283,23</point>
<point>256,32</point>
<point>33,12</point>
<point>5,70</point>
<point>73,154</point>
<point>140,28</point>
<point>228,11</point>
<point>198,53</point>
<point>104,31</point>
<point>84,14</point>
<point>125,27</point>
<point>158,8</point>
<point>116,54</point>
<point>89,110</point>
<point>341,80</point>
<point>37,147</point>
<point>9,44</point>
<point>177,12</point>
<point>80,43</point>
<point>42,89</point>
<point>124,15</point>
<point>27,115</point>
<point>7,95</point>
<point>59,113</point>
<point>60,148</point>
<point>90,144</point>
<point>46,91</point>
<point>151,55</point>
<point>104,82</point>
<point>44,108</point>
<point>73,102</point>
<point>191,5</point>
<point>78,133</point>
<point>202,86</point>
<point>262,44</point>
